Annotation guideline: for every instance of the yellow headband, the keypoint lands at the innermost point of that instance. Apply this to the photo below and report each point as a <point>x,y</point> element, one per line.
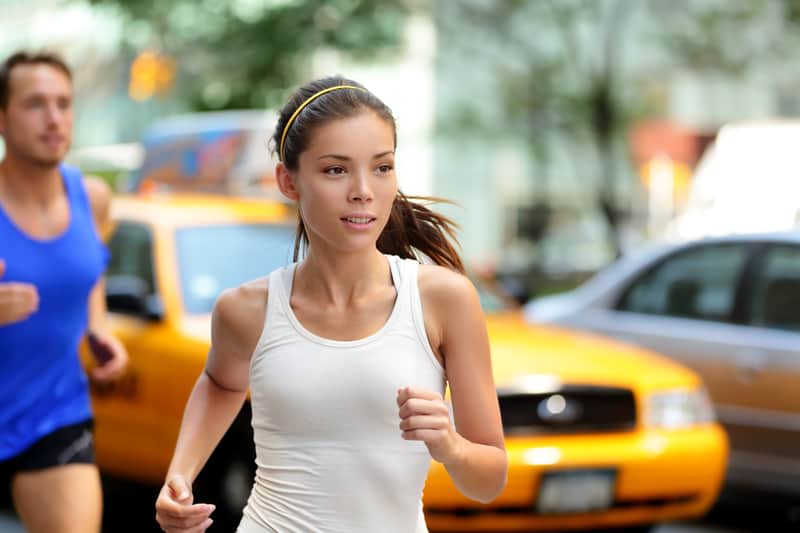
<point>304,104</point>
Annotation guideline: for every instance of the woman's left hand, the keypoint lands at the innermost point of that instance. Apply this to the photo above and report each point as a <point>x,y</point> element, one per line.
<point>425,416</point>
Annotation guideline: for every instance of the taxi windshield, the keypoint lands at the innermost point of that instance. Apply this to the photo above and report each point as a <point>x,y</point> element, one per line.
<point>214,258</point>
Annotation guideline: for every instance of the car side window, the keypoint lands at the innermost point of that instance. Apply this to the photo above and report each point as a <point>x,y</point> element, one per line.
<point>698,283</point>
<point>776,290</point>
<point>131,247</point>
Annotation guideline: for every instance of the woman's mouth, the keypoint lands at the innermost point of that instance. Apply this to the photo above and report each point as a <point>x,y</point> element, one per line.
<point>358,222</point>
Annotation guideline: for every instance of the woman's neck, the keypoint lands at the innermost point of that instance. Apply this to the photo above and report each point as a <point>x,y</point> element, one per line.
<point>338,279</point>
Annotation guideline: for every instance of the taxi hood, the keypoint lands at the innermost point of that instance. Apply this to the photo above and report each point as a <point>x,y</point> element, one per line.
<point>521,351</point>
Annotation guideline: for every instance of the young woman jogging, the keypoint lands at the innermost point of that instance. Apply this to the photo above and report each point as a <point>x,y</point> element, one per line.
<point>346,352</point>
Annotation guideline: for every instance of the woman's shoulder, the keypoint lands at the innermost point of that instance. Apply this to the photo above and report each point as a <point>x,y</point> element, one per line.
<point>444,287</point>
<point>241,310</point>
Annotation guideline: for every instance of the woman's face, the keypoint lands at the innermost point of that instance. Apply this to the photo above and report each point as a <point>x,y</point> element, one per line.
<point>346,182</point>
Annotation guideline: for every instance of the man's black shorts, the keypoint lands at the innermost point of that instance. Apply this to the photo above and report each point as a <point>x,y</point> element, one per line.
<point>72,444</point>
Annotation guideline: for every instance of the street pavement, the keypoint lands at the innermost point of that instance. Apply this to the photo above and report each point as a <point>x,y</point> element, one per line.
<point>9,524</point>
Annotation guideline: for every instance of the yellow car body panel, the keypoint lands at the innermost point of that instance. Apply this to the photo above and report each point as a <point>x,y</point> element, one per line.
<point>659,474</point>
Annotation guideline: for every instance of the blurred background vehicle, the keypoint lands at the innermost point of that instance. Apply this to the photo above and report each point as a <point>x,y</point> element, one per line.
<point>222,152</point>
<point>747,181</point>
<point>727,307</point>
<point>598,434</point>
<point>114,163</point>
<point>594,436</point>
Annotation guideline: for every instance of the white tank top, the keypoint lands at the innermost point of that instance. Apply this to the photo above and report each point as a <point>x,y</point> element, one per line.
<point>329,451</point>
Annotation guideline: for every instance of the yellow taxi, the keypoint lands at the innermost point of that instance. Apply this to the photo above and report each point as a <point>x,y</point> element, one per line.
<point>598,433</point>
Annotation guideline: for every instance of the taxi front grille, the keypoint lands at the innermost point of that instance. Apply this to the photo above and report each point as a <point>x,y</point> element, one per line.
<point>570,409</point>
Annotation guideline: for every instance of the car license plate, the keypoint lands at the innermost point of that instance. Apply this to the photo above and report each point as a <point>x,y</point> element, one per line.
<point>576,491</point>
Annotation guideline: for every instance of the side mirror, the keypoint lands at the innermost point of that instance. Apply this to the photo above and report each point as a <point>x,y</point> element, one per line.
<point>130,295</point>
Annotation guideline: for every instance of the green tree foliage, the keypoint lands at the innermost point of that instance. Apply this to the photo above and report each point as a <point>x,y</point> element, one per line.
<point>247,53</point>
<point>563,69</point>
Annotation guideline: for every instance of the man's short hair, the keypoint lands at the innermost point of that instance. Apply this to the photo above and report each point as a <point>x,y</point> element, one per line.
<point>27,58</point>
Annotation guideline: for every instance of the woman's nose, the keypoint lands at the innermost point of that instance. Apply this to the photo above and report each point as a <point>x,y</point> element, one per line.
<point>360,190</point>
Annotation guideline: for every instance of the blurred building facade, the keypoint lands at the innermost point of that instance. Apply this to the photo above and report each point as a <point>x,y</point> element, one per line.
<point>504,195</point>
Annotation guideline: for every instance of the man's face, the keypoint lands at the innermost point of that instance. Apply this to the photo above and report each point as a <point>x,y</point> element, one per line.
<point>37,122</point>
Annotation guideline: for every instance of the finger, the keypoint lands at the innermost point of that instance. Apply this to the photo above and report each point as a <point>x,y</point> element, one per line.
<point>110,369</point>
<point>24,292</point>
<point>424,435</point>
<point>175,512</point>
<point>2,268</point>
<point>104,373</point>
<point>107,371</point>
<point>181,523</point>
<point>17,301</point>
<point>424,422</point>
<point>416,406</point>
<point>402,396</point>
<point>34,295</point>
<point>423,394</point>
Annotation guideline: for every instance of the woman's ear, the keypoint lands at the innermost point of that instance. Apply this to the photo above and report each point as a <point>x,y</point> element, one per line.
<point>286,182</point>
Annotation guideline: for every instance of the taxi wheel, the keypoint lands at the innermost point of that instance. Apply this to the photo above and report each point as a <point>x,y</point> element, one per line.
<point>228,476</point>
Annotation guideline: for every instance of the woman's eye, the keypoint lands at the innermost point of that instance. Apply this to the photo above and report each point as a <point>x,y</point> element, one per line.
<point>385,168</point>
<point>334,171</point>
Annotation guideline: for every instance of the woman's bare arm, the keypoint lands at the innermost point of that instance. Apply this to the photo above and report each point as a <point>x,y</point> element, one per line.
<point>474,454</point>
<point>216,399</point>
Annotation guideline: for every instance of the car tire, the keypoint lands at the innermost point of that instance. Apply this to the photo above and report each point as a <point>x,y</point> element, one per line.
<point>227,478</point>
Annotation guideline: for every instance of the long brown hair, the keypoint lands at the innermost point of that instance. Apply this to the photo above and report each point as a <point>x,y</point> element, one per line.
<point>413,230</point>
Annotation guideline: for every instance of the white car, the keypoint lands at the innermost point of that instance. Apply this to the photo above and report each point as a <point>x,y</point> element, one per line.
<point>727,307</point>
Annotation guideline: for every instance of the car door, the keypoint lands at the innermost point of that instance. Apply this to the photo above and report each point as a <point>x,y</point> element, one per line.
<point>686,306</point>
<point>766,417</point>
<point>129,438</point>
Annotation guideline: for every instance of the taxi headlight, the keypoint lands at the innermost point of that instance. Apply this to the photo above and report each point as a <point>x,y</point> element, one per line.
<point>679,408</point>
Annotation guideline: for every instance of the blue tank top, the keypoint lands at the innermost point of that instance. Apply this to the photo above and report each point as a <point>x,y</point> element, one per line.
<point>42,384</point>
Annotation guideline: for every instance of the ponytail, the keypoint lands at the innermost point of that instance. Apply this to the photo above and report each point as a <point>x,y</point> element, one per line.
<point>413,231</point>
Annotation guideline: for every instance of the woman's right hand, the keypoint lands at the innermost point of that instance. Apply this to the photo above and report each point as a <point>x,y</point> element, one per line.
<point>175,512</point>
